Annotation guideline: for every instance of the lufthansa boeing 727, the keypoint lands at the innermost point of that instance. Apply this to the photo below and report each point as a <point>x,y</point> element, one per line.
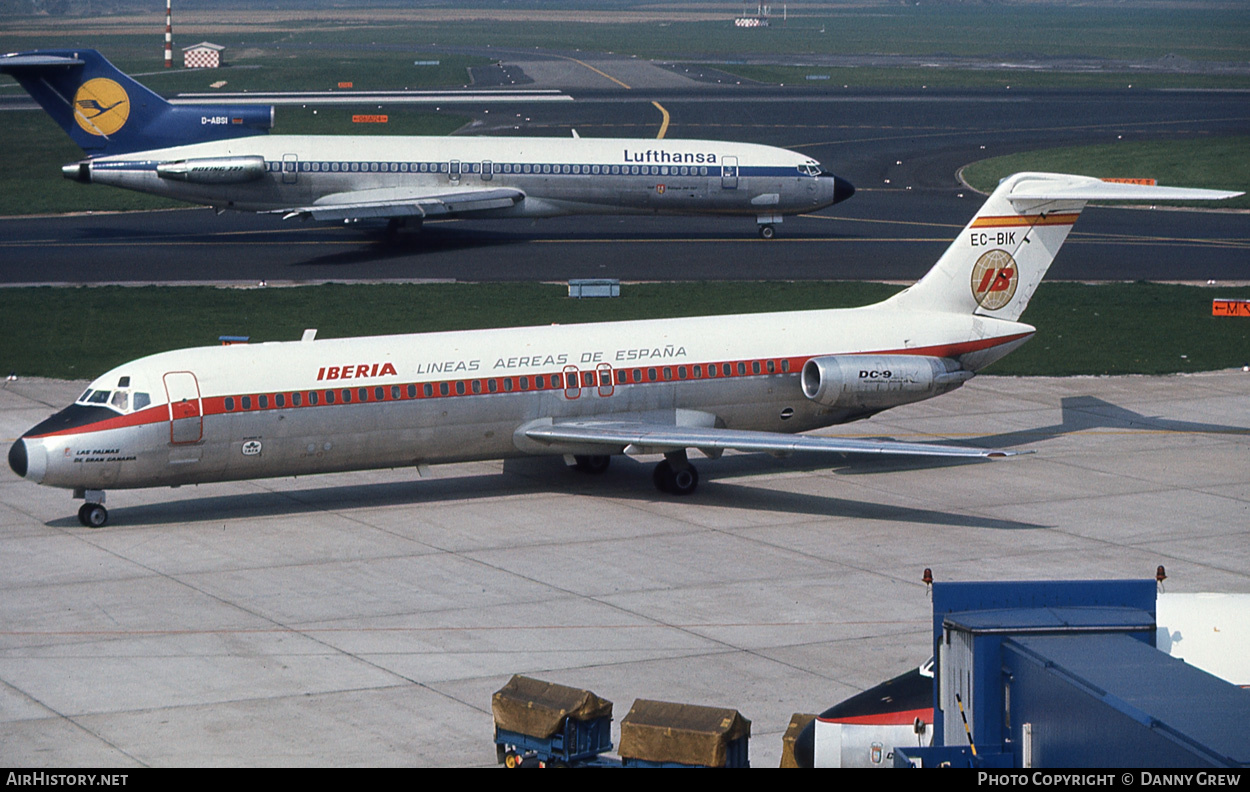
<point>745,382</point>
<point>221,156</point>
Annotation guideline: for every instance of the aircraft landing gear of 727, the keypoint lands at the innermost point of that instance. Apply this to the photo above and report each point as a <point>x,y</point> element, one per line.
<point>675,475</point>
<point>767,231</point>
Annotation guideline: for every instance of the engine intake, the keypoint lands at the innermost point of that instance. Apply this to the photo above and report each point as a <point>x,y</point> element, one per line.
<point>875,382</point>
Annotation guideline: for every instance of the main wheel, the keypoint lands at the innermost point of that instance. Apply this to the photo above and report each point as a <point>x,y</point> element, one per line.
<point>675,481</point>
<point>93,515</point>
<point>767,232</point>
<point>592,463</point>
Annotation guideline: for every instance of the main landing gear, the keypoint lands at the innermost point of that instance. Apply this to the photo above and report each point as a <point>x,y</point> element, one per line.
<point>595,464</point>
<point>675,475</point>
<point>767,231</point>
<point>92,514</point>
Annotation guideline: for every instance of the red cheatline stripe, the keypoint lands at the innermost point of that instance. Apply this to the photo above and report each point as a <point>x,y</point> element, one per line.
<point>216,405</point>
<point>1025,220</point>
<point>904,717</point>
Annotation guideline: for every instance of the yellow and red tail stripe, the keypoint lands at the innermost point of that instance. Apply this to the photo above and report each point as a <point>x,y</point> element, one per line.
<point>1013,221</point>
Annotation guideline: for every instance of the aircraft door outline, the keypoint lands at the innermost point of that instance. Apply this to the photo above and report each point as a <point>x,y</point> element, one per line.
<point>487,170</point>
<point>453,171</point>
<point>186,407</point>
<point>606,386</point>
<point>572,383</point>
<point>290,168</point>
<point>729,173</point>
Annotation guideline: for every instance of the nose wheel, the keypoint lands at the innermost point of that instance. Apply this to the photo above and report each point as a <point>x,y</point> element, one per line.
<point>93,515</point>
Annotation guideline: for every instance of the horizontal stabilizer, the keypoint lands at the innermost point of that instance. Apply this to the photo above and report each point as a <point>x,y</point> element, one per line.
<point>658,438</point>
<point>10,64</point>
<point>1052,187</point>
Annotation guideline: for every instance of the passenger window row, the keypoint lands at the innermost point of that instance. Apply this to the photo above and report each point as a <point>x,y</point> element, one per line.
<point>458,167</point>
<point>427,390</point>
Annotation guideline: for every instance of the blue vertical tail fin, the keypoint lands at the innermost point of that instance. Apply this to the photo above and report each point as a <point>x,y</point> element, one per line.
<point>106,112</point>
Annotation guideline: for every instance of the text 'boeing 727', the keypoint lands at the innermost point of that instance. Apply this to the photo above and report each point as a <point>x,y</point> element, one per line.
<point>745,382</point>
<point>221,156</point>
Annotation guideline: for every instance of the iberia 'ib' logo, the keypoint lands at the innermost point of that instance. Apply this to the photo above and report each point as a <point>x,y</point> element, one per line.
<point>101,106</point>
<point>994,279</point>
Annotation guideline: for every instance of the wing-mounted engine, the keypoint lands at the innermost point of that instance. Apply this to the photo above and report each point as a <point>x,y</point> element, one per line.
<point>876,382</point>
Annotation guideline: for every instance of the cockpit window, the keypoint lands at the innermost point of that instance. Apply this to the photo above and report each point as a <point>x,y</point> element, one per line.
<point>810,169</point>
<point>123,400</point>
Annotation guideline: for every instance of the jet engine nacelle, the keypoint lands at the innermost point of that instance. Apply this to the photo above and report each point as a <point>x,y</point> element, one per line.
<point>214,170</point>
<point>875,382</point>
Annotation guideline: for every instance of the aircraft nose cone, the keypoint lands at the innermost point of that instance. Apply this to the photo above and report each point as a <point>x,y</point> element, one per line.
<point>18,459</point>
<point>842,189</point>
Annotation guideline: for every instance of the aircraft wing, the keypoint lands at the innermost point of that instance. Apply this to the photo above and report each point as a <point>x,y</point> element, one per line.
<point>650,438</point>
<point>403,203</point>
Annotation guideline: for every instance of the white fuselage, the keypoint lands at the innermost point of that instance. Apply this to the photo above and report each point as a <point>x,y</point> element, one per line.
<point>556,176</point>
<point>286,408</point>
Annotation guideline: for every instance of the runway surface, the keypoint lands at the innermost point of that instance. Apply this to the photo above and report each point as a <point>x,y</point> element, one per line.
<point>365,619</point>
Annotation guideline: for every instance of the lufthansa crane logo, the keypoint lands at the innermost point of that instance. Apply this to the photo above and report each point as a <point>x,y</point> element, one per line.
<point>994,279</point>
<point>101,106</point>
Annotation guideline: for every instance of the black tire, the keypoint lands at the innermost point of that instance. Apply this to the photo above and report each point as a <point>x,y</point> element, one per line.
<point>675,481</point>
<point>595,464</point>
<point>767,232</point>
<point>93,515</point>
<point>684,481</point>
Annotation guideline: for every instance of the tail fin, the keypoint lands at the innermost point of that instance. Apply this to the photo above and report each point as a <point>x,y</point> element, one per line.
<point>996,263</point>
<point>107,112</point>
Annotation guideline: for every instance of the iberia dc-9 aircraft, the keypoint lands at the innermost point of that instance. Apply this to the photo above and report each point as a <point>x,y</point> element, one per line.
<point>746,382</point>
<point>222,156</point>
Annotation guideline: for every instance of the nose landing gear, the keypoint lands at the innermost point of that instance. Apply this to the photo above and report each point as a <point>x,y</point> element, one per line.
<point>92,514</point>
